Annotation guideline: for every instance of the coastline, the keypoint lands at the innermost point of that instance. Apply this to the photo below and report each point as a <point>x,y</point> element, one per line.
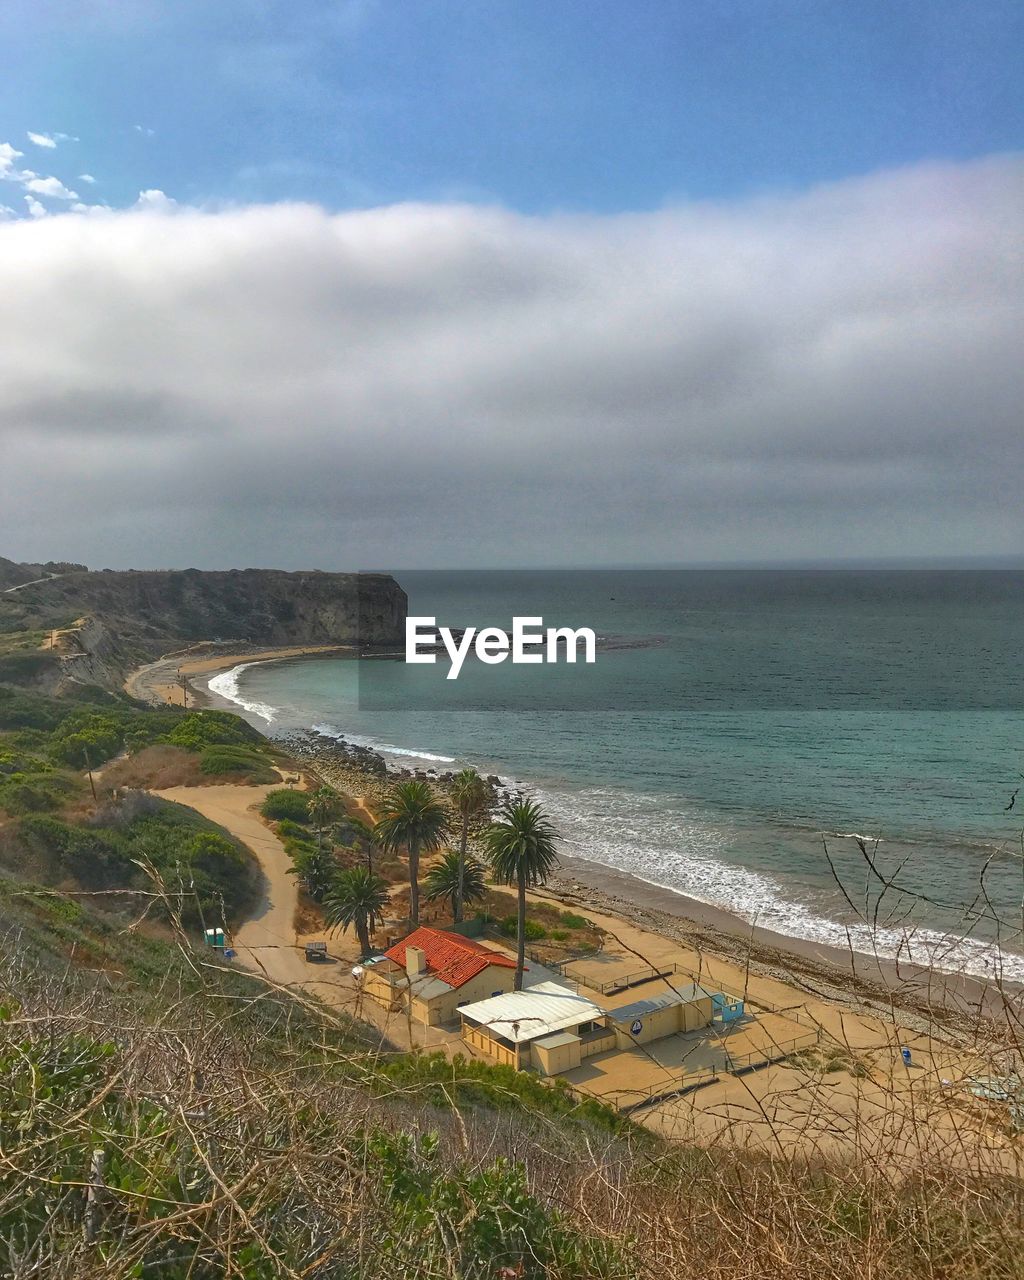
<point>171,680</point>
<point>849,978</point>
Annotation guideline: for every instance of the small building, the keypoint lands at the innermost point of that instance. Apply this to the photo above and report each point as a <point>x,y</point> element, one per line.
<point>687,1009</point>
<point>548,1027</point>
<point>433,972</point>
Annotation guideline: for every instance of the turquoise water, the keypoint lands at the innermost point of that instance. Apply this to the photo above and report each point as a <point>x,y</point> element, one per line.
<point>730,721</point>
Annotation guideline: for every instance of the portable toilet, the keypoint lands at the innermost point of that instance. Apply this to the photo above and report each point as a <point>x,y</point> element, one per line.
<point>215,938</point>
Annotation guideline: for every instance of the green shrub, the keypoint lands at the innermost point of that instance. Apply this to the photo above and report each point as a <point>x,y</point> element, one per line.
<point>88,738</point>
<point>184,848</point>
<point>559,935</point>
<point>23,668</point>
<point>532,930</point>
<point>29,710</point>
<point>35,793</point>
<point>198,729</point>
<point>572,921</point>
<point>221,759</point>
<point>441,1080</point>
<point>293,805</point>
<point>94,859</point>
<point>287,829</point>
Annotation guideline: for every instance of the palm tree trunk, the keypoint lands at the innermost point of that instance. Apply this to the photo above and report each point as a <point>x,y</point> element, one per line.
<point>457,904</point>
<point>363,934</point>
<point>521,929</point>
<point>414,883</point>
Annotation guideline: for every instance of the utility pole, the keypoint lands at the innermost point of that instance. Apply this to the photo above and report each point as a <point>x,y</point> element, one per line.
<point>184,689</point>
<point>88,769</point>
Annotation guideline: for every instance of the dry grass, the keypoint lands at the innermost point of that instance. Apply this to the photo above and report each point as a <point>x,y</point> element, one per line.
<point>246,1135</point>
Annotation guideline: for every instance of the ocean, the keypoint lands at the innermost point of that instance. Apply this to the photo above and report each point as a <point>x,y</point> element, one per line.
<point>736,733</point>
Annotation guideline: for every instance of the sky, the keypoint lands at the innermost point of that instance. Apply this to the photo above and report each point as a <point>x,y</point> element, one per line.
<point>362,284</point>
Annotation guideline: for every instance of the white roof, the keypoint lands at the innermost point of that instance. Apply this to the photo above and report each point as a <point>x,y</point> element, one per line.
<point>527,1015</point>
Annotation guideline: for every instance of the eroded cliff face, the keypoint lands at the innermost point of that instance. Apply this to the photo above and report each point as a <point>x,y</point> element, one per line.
<point>117,619</point>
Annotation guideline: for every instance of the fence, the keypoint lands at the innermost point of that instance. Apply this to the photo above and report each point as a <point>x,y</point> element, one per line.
<point>792,1012</point>
<point>492,1048</point>
<point>739,1064</point>
<point>623,981</point>
<point>631,1100</point>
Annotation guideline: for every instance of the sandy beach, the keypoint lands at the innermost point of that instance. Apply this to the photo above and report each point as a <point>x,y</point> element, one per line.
<point>866,1006</point>
<point>801,1104</point>
<point>176,678</point>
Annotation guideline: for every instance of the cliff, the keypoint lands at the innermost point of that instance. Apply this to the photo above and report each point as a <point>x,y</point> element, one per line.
<point>110,620</point>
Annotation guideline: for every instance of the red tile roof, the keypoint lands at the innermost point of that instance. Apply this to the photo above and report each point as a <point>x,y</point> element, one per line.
<point>449,956</point>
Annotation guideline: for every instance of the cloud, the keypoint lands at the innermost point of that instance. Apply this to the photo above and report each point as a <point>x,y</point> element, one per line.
<point>146,132</point>
<point>30,181</point>
<point>155,199</point>
<point>829,373</point>
<point>51,187</point>
<point>87,178</point>
<point>8,155</point>
<point>49,140</point>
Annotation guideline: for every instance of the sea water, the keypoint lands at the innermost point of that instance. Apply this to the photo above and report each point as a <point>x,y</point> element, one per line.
<point>738,731</point>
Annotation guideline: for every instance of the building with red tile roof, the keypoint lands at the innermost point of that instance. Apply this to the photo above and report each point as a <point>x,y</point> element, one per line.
<point>436,972</point>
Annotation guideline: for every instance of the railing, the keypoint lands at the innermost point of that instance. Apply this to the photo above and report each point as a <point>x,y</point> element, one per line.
<point>629,1100</point>
<point>494,1049</point>
<point>792,1012</point>
<point>737,1064</point>
<point>632,978</point>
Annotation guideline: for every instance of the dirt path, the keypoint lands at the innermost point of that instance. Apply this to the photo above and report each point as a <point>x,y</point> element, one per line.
<point>267,941</point>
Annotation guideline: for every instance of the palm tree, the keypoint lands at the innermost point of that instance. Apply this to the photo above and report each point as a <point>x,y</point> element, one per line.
<point>456,881</point>
<point>521,847</point>
<point>321,806</point>
<point>364,832</point>
<point>413,817</point>
<point>357,899</point>
<point>316,868</point>
<point>470,793</point>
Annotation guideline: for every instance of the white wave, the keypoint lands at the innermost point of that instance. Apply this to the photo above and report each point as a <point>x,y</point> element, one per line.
<point>225,685</point>
<point>385,748</point>
<point>852,835</point>
<point>684,853</point>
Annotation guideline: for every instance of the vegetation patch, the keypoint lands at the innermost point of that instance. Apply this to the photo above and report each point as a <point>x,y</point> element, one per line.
<point>243,762</point>
<point>140,843</point>
<point>290,805</point>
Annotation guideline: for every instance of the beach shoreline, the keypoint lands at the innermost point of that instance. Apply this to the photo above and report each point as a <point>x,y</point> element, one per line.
<point>174,679</point>
<point>848,977</point>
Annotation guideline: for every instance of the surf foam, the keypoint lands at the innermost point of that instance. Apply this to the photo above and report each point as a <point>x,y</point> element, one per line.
<point>225,685</point>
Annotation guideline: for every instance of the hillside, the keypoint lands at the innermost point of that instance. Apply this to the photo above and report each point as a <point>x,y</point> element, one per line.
<point>13,574</point>
<point>110,621</point>
<point>167,1116</point>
